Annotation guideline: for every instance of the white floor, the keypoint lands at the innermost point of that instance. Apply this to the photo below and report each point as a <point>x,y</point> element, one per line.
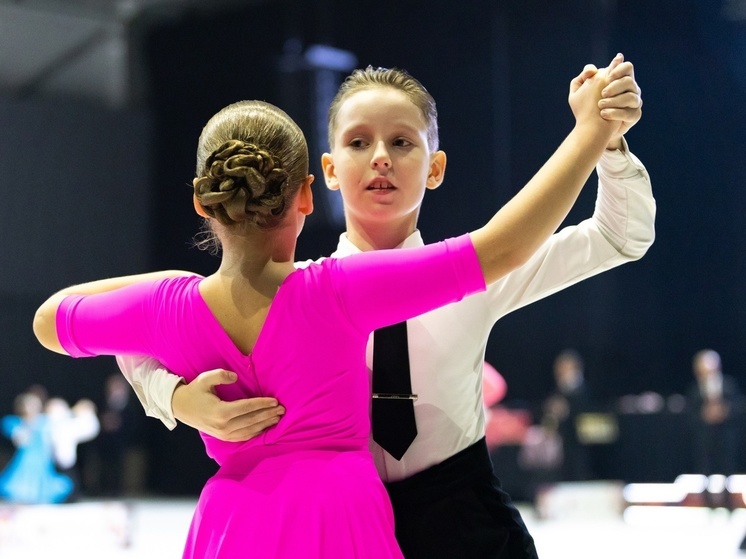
<point>643,533</point>
<point>157,529</point>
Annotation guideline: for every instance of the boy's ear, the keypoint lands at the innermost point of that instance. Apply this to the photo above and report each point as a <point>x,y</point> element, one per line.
<point>437,170</point>
<point>330,176</point>
<point>305,200</point>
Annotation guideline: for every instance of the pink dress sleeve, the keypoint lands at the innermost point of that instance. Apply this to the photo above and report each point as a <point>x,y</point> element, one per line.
<point>117,322</point>
<point>372,290</point>
<point>388,286</point>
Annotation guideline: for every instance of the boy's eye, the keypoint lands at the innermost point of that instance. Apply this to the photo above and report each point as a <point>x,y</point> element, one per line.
<point>402,143</point>
<point>357,143</point>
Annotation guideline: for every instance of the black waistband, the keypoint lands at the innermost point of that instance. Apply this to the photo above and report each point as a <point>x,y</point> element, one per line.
<point>471,464</point>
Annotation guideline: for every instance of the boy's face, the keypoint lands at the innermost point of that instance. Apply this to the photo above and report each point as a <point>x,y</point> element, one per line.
<point>381,161</point>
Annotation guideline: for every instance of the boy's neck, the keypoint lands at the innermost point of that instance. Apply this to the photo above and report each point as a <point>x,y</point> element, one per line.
<point>382,237</point>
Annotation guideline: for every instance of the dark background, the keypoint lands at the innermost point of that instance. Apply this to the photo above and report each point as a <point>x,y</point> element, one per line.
<point>90,191</point>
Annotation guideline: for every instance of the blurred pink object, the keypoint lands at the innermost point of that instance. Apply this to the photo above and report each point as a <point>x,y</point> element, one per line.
<point>502,425</point>
<point>494,386</point>
<point>506,427</point>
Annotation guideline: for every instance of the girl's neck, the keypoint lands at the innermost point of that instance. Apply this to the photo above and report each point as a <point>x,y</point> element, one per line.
<point>263,263</point>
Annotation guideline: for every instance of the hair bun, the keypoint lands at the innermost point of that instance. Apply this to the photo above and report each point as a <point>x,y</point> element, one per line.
<point>242,182</point>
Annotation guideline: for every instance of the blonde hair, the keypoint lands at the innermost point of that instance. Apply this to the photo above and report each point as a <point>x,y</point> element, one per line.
<point>251,161</point>
<point>394,78</point>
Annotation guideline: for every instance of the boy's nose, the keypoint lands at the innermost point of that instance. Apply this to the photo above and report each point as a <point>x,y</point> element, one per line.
<point>381,157</point>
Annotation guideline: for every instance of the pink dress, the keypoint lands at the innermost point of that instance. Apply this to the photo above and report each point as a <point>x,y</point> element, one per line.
<point>308,486</point>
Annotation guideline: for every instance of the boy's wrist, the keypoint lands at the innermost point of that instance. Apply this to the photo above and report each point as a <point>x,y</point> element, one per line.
<point>615,144</point>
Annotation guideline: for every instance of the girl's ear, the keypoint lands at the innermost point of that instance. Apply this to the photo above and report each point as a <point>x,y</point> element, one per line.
<point>198,207</point>
<point>437,170</point>
<point>330,176</point>
<point>306,196</point>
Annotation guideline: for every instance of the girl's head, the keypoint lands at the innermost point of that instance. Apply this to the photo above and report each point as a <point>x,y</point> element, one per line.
<point>252,159</point>
<point>394,78</point>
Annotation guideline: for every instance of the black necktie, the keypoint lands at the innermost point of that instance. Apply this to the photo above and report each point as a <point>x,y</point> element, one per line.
<point>394,427</point>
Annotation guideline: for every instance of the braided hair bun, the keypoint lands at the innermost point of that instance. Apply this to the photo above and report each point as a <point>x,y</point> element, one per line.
<point>242,182</point>
<point>251,160</point>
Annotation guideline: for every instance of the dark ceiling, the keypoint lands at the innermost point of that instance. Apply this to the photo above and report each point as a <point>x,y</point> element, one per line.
<point>79,48</point>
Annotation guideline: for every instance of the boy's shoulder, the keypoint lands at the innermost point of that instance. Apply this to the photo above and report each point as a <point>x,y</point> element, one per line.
<point>306,263</point>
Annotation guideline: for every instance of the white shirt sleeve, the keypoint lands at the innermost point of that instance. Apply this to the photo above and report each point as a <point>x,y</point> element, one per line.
<point>621,230</point>
<point>153,384</point>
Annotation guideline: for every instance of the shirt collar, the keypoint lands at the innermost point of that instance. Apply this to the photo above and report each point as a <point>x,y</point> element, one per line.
<point>346,247</point>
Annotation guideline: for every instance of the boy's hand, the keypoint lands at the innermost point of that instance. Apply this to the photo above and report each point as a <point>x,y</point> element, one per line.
<point>196,404</point>
<point>621,99</point>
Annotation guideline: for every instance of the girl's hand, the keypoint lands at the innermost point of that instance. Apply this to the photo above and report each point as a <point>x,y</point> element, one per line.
<point>585,94</point>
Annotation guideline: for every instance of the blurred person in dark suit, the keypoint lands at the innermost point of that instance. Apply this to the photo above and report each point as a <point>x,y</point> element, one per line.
<point>119,445</point>
<point>562,410</point>
<point>714,403</point>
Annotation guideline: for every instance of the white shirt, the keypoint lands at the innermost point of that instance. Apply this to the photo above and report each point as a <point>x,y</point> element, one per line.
<point>447,346</point>
<point>69,428</point>
<point>712,387</point>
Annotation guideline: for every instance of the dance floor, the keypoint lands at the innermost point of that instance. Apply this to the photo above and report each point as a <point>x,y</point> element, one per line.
<point>155,529</point>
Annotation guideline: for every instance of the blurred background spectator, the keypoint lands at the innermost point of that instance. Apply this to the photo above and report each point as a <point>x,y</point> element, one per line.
<point>117,463</point>
<point>71,426</point>
<point>31,477</point>
<point>714,409</point>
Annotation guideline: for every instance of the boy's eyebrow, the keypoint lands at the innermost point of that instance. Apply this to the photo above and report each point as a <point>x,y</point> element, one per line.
<point>354,128</point>
<point>397,127</point>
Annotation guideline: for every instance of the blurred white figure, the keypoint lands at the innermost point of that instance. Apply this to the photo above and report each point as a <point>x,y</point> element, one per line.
<point>69,428</point>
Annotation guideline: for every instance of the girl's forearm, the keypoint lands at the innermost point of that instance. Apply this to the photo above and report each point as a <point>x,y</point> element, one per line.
<point>527,220</point>
<point>110,284</point>
<point>45,327</point>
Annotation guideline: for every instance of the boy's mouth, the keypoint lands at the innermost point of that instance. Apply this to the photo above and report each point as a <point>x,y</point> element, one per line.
<point>381,185</point>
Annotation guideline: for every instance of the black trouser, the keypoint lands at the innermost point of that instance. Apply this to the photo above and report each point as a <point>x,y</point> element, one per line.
<point>458,509</point>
